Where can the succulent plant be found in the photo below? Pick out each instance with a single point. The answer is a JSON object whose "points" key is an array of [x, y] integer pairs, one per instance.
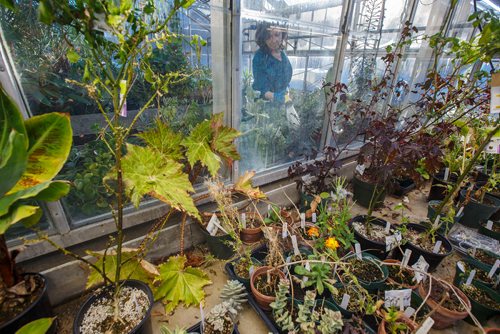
{"points": [[282, 317], [235, 293], [166, 330]]}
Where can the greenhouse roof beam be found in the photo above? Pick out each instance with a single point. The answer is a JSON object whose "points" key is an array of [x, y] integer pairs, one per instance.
{"points": [[307, 7]]}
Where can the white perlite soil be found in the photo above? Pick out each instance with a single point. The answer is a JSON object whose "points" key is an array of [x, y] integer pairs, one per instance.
{"points": [[133, 305]]}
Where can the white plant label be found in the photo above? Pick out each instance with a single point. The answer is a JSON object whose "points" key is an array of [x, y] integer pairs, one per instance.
{"points": [[387, 227], [360, 169], [212, 225], [426, 326], [406, 257], [397, 298], [202, 315], [420, 265], [269, 208], [357, 247], [460, 211], [244, 220], [473, 251], [437, 220], [392, 241], [123, 100], [284, 232], [494, 268], [446, 173], [302, 220], [294, 245], [288, 259], [437, 246], [307, 266], [489, 225], [251, 270], [345, 301], [471, 277], [314, 217], [409, 311], [461, 266]]}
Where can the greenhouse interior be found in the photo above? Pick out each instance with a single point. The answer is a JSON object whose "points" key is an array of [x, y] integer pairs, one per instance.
{"points": [[249, 166]]}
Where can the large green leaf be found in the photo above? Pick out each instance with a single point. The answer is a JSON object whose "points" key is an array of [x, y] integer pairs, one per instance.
{"points": [[10, 118], [18, 213], [178, 283], [223, 139], [50, 137], [47, 191], [164, 140], [39, 326], [13, 161], [147, 172], [198, 148], [131, 268]]}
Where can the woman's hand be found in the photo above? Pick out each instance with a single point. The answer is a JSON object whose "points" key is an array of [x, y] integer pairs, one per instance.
{"points": [[269, 96]]}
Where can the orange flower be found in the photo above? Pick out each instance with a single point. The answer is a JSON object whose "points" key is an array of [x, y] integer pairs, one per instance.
{"points": [[332, 243], [313, 232]]}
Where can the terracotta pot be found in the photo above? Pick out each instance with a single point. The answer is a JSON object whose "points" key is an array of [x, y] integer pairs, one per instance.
{"points": [[251, 235], [492, 330], [444, 317], [390, 280], [260, 298], [411, 325]]}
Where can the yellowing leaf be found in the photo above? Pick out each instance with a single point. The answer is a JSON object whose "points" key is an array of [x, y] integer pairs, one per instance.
{"points": [[244, 186], [198, 148], [178, 283], [147, 172], [223, 139], [39, 326], [164, 140], [18, 213]]}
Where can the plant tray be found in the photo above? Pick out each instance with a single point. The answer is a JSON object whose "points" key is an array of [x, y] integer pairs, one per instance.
{"points": [[197, 329]]}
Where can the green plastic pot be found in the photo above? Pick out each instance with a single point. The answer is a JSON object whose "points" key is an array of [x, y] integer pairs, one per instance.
{"points": [[490, 233], [372, 287], [480, 311], [363, 192], [480, 264], [475, 211], [459, 273]]}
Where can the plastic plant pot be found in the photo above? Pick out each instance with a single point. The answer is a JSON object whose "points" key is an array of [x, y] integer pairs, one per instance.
{"points": [[144, 327], [219, 246], [402, 187], [439, 186], [373, 247], [475, 211], [460, 274], [364, 191], [490, 233], [372, 286], [481, 311]]}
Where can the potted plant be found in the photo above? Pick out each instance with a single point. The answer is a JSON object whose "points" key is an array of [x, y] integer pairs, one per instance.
{"points": [[395, 322], [368, 271], [484, 300], [479, 205], [34, 152], [371, 232], [464, 267], [399, 275]]}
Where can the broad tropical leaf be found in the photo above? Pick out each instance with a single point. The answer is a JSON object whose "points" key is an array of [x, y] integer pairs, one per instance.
{"points": [[47, 191], [132, 268], [179, 283], [163, 140], [13, 161], [146, 172], [244, 186], [10, 118], [50, 137], [19, 213], [39, 326], [199, 149], [223, 139]]}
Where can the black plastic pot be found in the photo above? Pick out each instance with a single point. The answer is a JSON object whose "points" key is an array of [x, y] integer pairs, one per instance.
{"points": [[475, 211], [432, 258], [244, 281], [197, 329], [40, 308], [439, 186], [364, 191], [219, 246], [371, 246], [144, 327], [480, 311], [490, 233], [431, 214], [402, 187]]}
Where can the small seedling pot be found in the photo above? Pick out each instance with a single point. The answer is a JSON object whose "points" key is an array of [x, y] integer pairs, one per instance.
{"points": [[475, 211], [412, 326], [372, 286], [460, 274], [245, 281], [439, 186], [144, 327], [373, 247], [219, 246], [481, 311], [251, 235], [490, 233], [431, 214], [390, 280], [364, 191], [263, 300]]}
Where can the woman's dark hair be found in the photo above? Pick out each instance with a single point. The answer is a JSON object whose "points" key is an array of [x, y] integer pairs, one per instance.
{"points": [[263, 32]]}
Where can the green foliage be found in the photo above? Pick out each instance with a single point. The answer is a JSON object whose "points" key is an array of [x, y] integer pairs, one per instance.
{"points": [[165, 330], [319, 276], [280, 307], [235, 293], [178, 283], [40, 326]]}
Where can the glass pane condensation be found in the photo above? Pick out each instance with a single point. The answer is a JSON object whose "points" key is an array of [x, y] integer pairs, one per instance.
{"points": [[289, 127], [39, 54]]}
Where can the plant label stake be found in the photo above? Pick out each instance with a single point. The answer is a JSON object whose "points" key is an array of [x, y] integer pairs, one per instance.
{"points": [[473, 251], [397, 298], [446, 174], [420, 266], [494, 268], [302, 220], [345, 301], [244, 220], [288, 259], [461, 266], [471, 277], [409, 311], [426, 326], [284, 232], [392, 241], [123, 100], [436, 221], [212, 226], [202, 315], [314, 217], [387, 227], [459, 211], [360, 169], [489, 225], [437, 247], [357, 246], [251, 270], [294, 245], [406, 257], [307, 266]]}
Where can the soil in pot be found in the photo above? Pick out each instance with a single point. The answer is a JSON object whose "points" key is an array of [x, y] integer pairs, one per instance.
{"points": [[134, 305], [402, 276], [23, 303], [480, 296], [424, 242], [252, 232], [475, 211], [354, 305], [228, 327], [365, 271], [481, 275], [370, 233], [264, 284], [494, 232], [485, 257], [485, 302]]}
